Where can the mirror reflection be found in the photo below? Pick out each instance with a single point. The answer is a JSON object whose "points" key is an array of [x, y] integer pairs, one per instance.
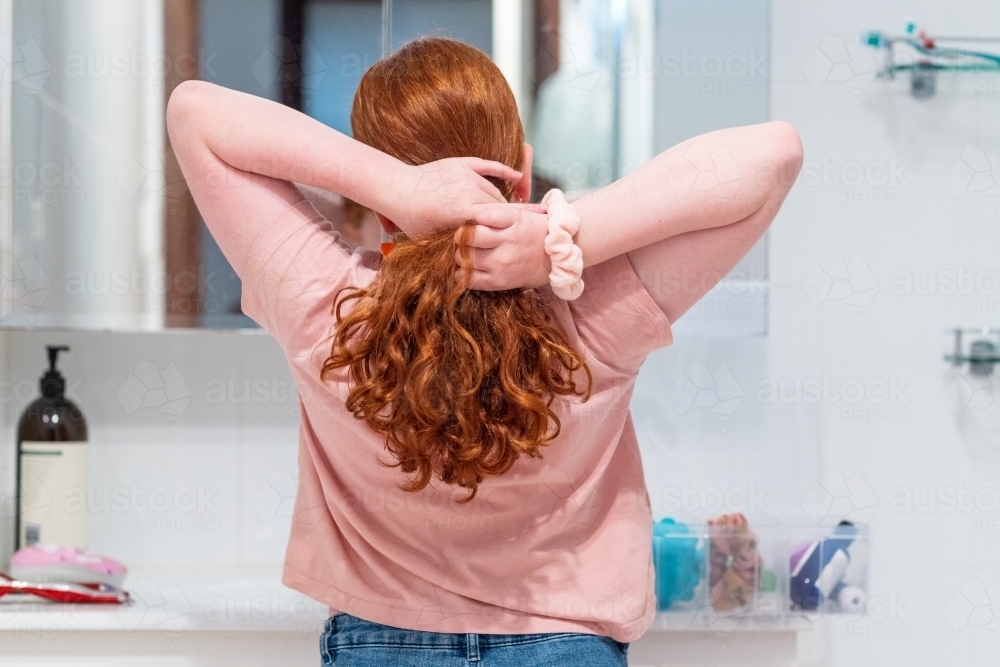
{"points": [[97, 228]]}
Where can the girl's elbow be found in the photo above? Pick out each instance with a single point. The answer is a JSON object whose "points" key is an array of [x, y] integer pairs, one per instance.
{"points": [[788, 147], [781, 156], [184, 108]]}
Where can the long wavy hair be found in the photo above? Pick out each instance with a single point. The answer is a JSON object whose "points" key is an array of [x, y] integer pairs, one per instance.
{"points": [[460, 382]]}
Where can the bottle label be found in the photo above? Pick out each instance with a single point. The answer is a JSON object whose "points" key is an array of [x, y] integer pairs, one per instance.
{"points": [[53, 483]]}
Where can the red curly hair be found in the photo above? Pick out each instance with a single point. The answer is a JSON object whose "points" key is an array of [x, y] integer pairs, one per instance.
{"points": [[460, 382]]}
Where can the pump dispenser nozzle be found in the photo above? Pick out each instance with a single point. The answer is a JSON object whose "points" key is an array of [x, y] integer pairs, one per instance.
{"points": [[54, 351], [53, 384]]}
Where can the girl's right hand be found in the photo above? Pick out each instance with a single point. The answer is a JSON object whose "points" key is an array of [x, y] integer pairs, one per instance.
{"points": [[508, 248]]}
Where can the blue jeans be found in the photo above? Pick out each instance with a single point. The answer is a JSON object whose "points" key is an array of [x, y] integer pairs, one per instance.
{"points": [[349, 641]]}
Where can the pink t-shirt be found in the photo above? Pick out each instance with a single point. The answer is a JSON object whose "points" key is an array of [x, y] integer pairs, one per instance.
{"points": [[560, 544]]}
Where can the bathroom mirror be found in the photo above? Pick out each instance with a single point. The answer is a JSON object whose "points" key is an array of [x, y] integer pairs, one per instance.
{"points": [[97, 228]]}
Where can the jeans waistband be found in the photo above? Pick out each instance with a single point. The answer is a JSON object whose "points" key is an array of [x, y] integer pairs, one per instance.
{"points": [[356, 630]]}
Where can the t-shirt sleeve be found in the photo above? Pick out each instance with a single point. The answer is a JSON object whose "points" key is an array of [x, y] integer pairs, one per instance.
{"points": [[293, 273], [616, 318]]}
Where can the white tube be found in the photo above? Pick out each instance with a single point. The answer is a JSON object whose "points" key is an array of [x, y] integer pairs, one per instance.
{"points": [[151, 213], [508, 46]]}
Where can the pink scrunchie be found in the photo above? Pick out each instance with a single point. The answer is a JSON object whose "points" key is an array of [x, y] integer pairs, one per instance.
{"points": [[566, 256]]}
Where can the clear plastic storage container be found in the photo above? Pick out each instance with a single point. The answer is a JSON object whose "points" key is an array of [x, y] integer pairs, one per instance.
{"points": [[732, 566]]}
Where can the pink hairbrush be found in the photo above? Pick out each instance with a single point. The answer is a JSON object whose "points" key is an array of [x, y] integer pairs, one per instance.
{"points": [[49, 563]]}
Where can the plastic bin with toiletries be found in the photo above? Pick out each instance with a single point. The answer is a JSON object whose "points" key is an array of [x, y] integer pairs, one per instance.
{"points": [[733, 566]]}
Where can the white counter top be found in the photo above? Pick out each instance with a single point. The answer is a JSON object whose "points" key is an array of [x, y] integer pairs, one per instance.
{"points": [[245, 616], [249, 599], [712, 622], [253, 600]]}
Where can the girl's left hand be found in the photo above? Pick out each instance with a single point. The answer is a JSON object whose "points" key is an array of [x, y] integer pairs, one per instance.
{"points": [[508, 248], [444, 193]]}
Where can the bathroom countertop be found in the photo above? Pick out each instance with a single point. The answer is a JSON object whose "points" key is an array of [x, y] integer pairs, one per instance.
{"points": [[178, 600], [254, 600], [248, 618], [711, 622]]}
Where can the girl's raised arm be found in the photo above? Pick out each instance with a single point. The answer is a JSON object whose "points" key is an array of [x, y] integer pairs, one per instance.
{"points": [[684, 218]]}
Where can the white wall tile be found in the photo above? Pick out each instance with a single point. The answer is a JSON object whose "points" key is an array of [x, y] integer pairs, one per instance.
{"points": [[919, 230], [185, 429]]}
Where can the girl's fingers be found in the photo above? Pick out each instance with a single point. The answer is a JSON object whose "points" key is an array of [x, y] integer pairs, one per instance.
{"points": [[491, 191], [481, 280], [497, 216], [479, 257], [482, 237], [458, 259], [491, 168], [533, 208], [500, 216]]}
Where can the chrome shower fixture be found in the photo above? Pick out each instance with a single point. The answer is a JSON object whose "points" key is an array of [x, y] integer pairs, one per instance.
{"points": [[927, 56], [982, 354]]}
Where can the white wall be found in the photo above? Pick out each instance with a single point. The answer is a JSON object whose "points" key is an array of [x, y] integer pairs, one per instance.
{"points": [[193, 441], [935, 567]]}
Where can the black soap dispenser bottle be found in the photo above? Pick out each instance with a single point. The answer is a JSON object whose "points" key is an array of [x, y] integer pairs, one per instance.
{"points": [[52, 466]]}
